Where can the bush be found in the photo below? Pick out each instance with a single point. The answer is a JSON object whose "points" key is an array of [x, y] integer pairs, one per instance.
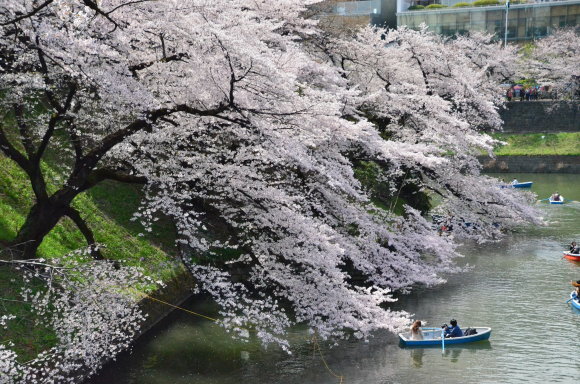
{"points": [[416, 7], [460, 5], [434, 6], [483, 3]]}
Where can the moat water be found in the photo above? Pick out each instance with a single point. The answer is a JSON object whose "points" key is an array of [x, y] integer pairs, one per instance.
{"points": [[518, 287]]}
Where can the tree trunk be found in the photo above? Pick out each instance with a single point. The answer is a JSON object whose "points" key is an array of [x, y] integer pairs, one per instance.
{"points": [[41, 219]]}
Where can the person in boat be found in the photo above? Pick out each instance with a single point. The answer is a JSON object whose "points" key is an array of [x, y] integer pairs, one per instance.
{"points": [[453, 330], [576, 284], [574, 248], [556, 197], [515, 181], [416, 332]]}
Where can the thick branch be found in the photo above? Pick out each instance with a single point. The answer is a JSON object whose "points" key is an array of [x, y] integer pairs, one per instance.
{"points": [[92, 158], [25, 136], [126, 4], [93, 5], [12, 152], [138, 67], [99, 175], [52, 125], [75, 141], [85, 230]]}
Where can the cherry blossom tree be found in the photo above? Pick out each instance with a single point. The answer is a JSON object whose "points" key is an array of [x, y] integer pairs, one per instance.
{"points": [[244, 123], [556, 59]]}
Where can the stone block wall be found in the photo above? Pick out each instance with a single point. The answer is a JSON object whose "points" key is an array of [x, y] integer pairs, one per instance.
{"points": [[541, 116], [531, 164]]}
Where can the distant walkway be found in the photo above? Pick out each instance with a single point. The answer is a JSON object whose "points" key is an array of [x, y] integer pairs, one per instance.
{"points": [[541, 116], [531, 164]]}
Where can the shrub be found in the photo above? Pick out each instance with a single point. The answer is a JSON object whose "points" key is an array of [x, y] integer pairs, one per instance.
{"points": [[460, 5], [416, 7], [434, 6], [483, 3]]}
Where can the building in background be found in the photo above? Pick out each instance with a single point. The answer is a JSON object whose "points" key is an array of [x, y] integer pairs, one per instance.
{"points": [[357, 13], [527, 19]]}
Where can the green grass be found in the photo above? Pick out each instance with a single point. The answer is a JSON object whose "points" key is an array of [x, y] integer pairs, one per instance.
{"points": [[107, 209], [27, 332], [539, 144]]}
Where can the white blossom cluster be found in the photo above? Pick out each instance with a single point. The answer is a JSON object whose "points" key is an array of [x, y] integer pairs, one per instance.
{"points": [[555, 61], [91, 307]]}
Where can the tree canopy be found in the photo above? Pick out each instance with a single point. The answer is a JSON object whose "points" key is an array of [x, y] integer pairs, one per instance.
{"points": [[245, 123]]}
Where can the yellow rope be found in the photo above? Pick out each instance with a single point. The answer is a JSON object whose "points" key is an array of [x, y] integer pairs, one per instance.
{"points": [[180, 308], [316, 345]]}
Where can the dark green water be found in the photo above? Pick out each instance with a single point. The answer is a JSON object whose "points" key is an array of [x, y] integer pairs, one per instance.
{"points": [[517, 286]]}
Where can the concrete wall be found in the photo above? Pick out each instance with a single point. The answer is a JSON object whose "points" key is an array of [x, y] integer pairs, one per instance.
{"points": [[531, 164], [541, 116]]}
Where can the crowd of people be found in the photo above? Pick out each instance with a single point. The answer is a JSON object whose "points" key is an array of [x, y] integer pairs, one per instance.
{"points": [[522, 94]]}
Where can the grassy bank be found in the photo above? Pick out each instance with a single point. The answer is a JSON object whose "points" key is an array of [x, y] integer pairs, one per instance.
{"points": [[539, 144], [107, 209]]}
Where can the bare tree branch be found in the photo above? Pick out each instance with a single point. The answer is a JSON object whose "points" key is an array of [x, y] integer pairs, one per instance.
{"points": [[29, 14]]}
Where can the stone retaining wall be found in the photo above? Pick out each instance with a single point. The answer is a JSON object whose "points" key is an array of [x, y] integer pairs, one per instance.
{"points": [[531, 164], [541, 116], [175, 292]]}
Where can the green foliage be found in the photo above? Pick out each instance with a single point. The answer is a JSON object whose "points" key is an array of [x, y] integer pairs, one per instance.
{"points": [[539, 144], [435, 6], [485, 3], [107, 209], [416, 7], [527, 49], [370, 175], [527, 83], [460, 5]]}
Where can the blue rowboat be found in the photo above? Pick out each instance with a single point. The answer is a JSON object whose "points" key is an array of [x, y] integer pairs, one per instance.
{"points": [[574, 301], [432, 338], [527, 184], [561, 201]]}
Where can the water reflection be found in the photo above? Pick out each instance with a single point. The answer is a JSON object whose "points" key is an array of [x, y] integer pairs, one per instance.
{"points": [[417, 356]]}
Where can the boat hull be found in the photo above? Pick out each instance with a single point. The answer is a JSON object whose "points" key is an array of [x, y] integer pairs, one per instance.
{"points": [[572, 256], [527, 184], [483, 333], [575, 303], [557, 201]]}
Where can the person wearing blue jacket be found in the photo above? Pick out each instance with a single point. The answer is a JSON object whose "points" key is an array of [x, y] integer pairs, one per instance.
{"points": [[454, 330]]}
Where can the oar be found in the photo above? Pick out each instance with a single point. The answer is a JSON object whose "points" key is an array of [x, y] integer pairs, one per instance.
{"points": [[569, 300], [442, 340]]}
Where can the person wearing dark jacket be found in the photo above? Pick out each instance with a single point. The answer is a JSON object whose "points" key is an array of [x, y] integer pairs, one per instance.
{"points": [[454, 330]]}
